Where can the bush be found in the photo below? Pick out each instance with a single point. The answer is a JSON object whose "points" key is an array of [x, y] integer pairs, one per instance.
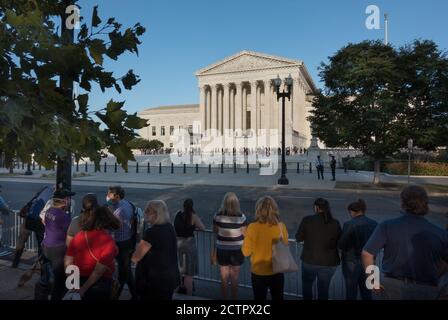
{"points": [[417, 168]]}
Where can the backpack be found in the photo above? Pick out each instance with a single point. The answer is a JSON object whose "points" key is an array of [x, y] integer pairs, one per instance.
{"points": [[25, 211]]}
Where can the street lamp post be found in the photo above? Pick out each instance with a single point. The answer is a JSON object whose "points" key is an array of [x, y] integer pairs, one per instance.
{"points": [[285, 94]]}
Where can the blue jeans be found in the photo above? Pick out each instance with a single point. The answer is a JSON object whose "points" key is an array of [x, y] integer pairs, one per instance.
{"points": [[355, 277], [323, 275]]}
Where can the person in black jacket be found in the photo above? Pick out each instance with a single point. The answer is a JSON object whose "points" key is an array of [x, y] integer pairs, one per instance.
{"points": [[320, 258], [157, 271], [333, 167], [355, 234]]}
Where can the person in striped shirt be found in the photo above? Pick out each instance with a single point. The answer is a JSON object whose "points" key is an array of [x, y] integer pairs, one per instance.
{"points": [[230, 225]]}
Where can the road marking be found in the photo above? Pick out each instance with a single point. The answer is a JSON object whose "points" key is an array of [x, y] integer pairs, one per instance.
{"points": [[295, 197]]}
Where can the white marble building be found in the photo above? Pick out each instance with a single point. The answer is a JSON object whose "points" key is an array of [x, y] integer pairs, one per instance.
{"points": [[237, 94]]}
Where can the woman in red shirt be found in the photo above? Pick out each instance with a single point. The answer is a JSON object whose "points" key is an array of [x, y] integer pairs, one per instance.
{"points": [[93, 251]]}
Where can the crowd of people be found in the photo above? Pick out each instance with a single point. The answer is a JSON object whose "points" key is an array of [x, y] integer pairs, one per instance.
{"points": [[105, 237]]}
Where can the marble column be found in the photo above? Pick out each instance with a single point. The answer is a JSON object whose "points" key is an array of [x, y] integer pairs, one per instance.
{"points": [[226, 107], [253, 106], [238, 106], [209, 107], [214, 107], [202, 108], [232, 108], [267, 104], [244, 109], [296, 106], [288, 111], [259, 108], [220, 107]]}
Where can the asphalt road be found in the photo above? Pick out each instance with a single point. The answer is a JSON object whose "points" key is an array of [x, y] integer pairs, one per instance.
{"points": [[293, 204]]}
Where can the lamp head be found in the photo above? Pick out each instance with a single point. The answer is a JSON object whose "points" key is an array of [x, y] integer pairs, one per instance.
{"points": [[277, 82], [289, 81]]}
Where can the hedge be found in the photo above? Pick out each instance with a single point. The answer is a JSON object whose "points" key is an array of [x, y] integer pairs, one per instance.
{"points": [[417, 168]]}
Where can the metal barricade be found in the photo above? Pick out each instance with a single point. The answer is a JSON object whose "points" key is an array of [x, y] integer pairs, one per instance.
{"points": [[11, 231], [293, 281]]}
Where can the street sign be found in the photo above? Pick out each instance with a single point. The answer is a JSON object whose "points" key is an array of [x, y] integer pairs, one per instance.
{"points": [[410, 144]]}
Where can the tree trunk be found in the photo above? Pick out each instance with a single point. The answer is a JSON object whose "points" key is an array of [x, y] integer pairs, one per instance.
{"points": [[376, 173], [11, 169]]}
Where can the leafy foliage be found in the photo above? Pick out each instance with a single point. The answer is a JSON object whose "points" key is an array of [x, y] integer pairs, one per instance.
{"points": [[377, 97], [37, 113]]}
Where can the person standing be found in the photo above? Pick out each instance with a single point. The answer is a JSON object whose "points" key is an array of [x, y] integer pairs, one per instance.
{"points": [[320, 234], [414, 250], [355, 234], [346, 162], [230, 225], [32, 223], [185, 224], [333, 167], [89, 205], [157, 272], [56, 222], [320, 168], [260, 236], [124, 211], [93, 251]]}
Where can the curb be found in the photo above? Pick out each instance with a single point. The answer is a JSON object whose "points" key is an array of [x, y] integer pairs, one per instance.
{"points": [[273, 187]]}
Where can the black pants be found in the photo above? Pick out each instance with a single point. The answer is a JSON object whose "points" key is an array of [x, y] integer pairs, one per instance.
{"points": [[55, 257], [38, 228], [320, 172], [274, 283], [333, 173], [125, 276], [101, 290], [355, 277]]}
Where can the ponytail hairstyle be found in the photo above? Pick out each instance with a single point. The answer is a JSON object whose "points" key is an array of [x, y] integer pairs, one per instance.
{"points": [[89, 205], [323, 207], [358, 206], [188, 211]]}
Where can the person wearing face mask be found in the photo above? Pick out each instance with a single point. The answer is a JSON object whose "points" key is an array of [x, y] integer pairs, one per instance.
{"points": [[56, 222], [355, 234], [124, 211]]}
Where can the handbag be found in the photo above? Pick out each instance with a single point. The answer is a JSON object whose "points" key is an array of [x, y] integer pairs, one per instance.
{"points": [[282, 259], [115, 288]]}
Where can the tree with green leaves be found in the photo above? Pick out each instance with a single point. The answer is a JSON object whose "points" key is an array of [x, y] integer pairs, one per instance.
{"points": [[145, 145], [376, 98], [38, 66], [425, 87]]}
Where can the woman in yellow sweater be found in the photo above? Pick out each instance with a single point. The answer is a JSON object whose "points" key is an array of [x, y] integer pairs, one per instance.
{"points": [[258, 241]]}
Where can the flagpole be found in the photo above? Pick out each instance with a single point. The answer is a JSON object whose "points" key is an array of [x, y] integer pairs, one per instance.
{"points": [[386, 29]]}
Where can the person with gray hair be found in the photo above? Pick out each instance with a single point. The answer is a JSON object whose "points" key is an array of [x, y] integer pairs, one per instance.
{"points": [[157, 272]]}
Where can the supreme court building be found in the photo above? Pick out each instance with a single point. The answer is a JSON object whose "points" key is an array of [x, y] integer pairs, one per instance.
{"points": [[237, 94]]}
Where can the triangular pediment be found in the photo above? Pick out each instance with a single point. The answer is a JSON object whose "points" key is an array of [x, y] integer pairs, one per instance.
{"points": [[247, 61]]}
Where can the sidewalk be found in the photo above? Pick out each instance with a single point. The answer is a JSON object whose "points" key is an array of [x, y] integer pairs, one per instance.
{"points": [[166, 179], [9, 278]]}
